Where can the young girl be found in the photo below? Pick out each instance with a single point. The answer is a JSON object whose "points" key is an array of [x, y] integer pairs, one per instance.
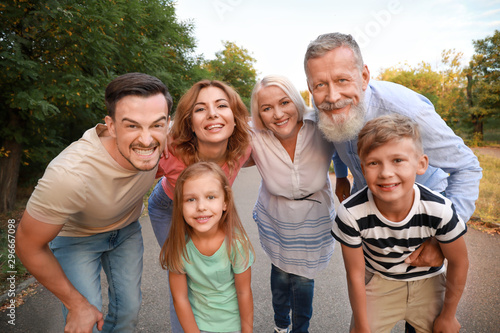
{"points": [[208, 254]]}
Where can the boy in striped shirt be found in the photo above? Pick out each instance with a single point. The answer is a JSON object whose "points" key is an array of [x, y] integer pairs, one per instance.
{"points": [[382, 224]]}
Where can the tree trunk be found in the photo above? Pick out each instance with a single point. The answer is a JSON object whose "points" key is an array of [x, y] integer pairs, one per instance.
{"points": [[477, 120], [9, 174]]}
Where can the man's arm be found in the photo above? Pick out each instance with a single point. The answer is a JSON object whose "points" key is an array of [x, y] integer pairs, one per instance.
{"points": [[242, 283], [342, 185], [354, 262], [179, 290], [456, 276], [427, 255], [32, 247]]}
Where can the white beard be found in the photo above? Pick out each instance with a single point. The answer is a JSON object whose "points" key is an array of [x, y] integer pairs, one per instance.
{"points": [[341, 127]]}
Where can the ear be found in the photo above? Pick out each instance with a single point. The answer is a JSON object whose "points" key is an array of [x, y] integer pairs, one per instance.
{"points": [[362, 168], [111, 126], [423, 163], [225, 207], [365, 75]]}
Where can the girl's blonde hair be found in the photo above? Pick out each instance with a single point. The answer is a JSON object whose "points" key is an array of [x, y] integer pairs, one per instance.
{"points": [[184, 141], [174, 250]]}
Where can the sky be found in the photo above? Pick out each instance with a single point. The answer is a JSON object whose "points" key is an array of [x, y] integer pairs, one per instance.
{"points": [[390, 32]]}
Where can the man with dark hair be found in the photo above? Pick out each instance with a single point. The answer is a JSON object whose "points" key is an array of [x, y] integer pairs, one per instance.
{"points": [[83, 214]]}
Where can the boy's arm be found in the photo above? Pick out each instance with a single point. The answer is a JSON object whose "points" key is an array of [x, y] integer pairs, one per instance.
{"points": [[456, 276], [354, 262], [179, 290], [242, 283], [32, 239]]}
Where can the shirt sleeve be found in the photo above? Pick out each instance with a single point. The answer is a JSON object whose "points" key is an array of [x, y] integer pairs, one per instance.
{"points": [[240, 262], [345, 228], [448, 152], [58, 194], [339, 166]]}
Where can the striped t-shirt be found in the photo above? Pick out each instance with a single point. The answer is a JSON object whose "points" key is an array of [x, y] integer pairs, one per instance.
{"points": [[386, 244]]}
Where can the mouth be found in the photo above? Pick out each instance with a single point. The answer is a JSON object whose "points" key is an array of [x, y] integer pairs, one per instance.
{"points": [[202, 219], [388, 186], [145, 152], [214, 127], [281, 123]]}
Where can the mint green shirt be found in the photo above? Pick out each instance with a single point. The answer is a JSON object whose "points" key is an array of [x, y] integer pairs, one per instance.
{"points": [[211, 288]]}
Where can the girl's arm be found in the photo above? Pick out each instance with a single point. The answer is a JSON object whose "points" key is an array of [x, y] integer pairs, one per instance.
{"points": [[456, 276], [242, 283], [179, 289], [354, 262]]}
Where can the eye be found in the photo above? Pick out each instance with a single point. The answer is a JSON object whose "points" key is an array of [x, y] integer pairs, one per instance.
{"points": [[221, 106], [266, 109], [372, 163], [211, 197], [342, 80], [199, 109], [190, 200], [398, 160], [320, 85], [285, 102]]}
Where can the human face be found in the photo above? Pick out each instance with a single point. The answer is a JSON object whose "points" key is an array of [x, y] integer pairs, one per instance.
{"points": [[139, 129], [212, 118], [277, 112], [203, 203], [338, 86], [390, 171]]}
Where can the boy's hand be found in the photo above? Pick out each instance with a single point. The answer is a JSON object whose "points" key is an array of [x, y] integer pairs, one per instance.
{"points": [[427, 255], [446, 325]]}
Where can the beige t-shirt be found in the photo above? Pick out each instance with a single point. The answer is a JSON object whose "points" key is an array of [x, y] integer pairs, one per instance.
{"points": [[87, 191]]}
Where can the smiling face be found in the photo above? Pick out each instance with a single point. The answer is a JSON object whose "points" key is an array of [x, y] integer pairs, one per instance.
{"points": [[203, 203], [139, 129], [390, 171], [212, 118], [338, 84], [277, 112]]}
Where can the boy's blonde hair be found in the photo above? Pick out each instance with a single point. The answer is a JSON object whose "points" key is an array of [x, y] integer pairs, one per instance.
{"points": [[381, 130], [174, 249]]}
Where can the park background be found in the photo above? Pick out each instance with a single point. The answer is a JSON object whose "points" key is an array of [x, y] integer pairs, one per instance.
{"points": [[56, 57]]}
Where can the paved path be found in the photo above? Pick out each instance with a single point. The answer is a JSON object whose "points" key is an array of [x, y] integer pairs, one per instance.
{"points": [[477, 311]]}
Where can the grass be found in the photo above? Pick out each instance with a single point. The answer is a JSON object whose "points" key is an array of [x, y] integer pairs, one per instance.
{"points": [[487, 213]]}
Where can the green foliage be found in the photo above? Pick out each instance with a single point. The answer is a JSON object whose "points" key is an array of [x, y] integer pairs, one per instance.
{"points": [[57, 56], [484, 81], [444, 86], [234, 65]]}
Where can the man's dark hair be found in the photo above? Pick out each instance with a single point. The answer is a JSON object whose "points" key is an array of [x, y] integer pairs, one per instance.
{"points": [[136, 84]]}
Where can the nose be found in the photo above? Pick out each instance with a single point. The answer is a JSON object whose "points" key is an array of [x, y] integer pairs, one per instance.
{"points": [[386, 171], [212, 112], [146, 138], [333, 94], [200, 205], [278, 113]]}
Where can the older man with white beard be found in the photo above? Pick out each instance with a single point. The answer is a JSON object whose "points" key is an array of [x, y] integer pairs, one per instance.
{"points": [[346, 99]]}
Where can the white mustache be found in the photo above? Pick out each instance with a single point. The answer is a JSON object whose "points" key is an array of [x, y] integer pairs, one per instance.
{"points": [[327, 106]]}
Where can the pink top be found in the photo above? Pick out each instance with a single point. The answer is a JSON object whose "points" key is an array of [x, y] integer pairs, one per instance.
{"points": [[171, 167]]}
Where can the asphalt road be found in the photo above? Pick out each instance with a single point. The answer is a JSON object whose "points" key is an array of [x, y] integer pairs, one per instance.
{"points": [[477, 312]]}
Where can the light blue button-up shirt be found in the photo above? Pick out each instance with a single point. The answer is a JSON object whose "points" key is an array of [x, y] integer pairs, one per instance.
{"points": [[453, 167]]}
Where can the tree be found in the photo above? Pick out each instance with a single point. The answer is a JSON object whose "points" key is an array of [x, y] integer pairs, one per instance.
{"points": [[483, 74], [57, 56], [234, 65], [443, 86]]}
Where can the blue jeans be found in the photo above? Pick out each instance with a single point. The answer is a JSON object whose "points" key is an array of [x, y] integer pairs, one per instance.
{"points": [[119, 253], [160, 208], [291, 292]]}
